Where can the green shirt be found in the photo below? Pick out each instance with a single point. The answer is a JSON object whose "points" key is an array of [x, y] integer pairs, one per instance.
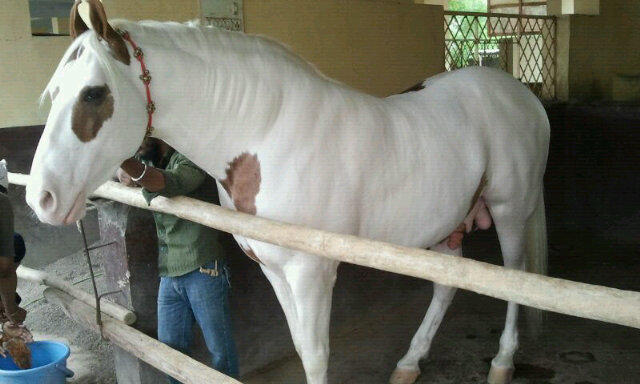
{"points": [[184, 245]]}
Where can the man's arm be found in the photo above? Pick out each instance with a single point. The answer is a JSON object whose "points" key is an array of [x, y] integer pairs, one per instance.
{"points": [[184, 178]]}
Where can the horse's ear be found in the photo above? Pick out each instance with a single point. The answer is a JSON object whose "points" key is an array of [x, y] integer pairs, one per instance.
{"points": [[101, 26], [76, 24]]}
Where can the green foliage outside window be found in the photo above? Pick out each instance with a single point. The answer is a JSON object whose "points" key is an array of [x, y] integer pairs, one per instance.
{"points": [[468, 5], [467, 34]]}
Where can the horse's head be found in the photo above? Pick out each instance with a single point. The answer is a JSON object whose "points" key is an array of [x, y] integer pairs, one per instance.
{"points": [[97, 119]]}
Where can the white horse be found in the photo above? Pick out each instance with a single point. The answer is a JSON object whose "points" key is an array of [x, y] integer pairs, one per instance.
{"points": [[286, 143]]}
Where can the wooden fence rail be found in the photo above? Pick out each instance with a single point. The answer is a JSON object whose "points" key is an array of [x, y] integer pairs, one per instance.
{"points": [[159, 355], [551, 294], [110, 308]]}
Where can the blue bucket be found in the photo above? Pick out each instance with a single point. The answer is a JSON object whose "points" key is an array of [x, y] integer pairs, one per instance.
{"points": [[49, 365]]}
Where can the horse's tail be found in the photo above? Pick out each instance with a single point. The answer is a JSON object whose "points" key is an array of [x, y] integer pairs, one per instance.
{"points": [[536, 255]]}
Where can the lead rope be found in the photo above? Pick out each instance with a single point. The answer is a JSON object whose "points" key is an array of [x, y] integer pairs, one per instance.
{"points": [[97, 296], [93, 276]]}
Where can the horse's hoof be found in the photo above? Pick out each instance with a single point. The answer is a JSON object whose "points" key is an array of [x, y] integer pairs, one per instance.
{"points": [[500, 375], [404, 376]]}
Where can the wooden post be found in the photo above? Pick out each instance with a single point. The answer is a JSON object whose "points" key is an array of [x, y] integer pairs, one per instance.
{"points": [[130, 266], [153, 352]]}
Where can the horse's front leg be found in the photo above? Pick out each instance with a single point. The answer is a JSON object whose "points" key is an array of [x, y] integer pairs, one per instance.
{"points": [[304, 287]]}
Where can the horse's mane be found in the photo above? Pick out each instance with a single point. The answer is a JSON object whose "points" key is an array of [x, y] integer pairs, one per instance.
{"points": [[205, 43]]}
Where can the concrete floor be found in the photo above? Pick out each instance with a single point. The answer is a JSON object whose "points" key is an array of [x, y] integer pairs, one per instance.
{"points": [[593, 204]]}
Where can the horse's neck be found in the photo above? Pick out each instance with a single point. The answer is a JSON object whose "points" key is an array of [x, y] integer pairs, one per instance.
{"points": [[214, 111]]}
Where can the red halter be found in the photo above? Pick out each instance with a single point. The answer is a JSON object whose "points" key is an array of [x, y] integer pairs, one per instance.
{"points": [[145, 77]]}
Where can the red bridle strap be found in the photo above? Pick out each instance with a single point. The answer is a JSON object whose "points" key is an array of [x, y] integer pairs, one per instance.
{"points": [[145, 77]]}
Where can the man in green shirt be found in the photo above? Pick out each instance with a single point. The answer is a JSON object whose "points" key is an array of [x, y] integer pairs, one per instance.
{"points": [[194, 281]]}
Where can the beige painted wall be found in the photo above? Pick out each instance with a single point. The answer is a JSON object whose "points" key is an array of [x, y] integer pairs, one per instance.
{"points": [[604, 48], [163, 10], [27, 62], [380, 47]]}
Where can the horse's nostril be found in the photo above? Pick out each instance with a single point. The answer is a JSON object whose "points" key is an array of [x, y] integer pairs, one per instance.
{"points": [[47, 202]]}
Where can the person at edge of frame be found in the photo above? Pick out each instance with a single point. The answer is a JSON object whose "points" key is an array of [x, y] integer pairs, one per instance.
{"points": [[12, 251], [194, 282]]}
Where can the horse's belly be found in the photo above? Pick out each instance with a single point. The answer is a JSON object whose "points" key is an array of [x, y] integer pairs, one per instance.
{"points": [[412, 222]]}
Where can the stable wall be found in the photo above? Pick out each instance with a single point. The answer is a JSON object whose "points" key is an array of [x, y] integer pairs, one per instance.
{"points": [[597, 50], [604, 55], [380, 47], [26, 63]]}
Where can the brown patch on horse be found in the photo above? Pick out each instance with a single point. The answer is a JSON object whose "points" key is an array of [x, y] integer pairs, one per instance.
{"points": [[249, 252], [93, 107], [74, 55], [415, 88], [243, 182]]}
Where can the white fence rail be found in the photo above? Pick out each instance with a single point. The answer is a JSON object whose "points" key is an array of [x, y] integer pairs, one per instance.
{"points": [[563, 296]]}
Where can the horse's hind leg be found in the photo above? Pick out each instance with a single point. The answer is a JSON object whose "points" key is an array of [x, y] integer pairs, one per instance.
{"points": [[510, 225], [407, 370], [304, 287]]}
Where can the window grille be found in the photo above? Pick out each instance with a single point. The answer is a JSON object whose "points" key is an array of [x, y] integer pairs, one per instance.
{"points": [[523, 45]]}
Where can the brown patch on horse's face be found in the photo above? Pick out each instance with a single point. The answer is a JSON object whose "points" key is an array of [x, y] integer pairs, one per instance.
{"points": [[249, 252], [93, 107], [75, 54], [243, 182]]}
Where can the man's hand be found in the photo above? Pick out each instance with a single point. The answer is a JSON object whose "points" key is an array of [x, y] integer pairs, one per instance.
{"points": [[16, 317], [125, 178], [152, 180]]}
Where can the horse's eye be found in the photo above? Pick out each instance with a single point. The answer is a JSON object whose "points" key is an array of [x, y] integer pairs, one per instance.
{"points": [[94, 94]]}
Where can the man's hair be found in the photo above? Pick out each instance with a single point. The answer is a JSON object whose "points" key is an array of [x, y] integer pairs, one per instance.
{"points": [[150, 151]]}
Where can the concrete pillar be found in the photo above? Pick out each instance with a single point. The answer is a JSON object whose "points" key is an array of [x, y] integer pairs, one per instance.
{"points": [[573, 7], [130, 265]]}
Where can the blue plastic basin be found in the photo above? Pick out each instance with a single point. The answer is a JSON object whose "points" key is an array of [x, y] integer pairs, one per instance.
{"points": [[49, 365]]}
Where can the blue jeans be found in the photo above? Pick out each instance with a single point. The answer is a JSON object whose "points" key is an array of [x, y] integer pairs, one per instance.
{"points": [[205, 299]]}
